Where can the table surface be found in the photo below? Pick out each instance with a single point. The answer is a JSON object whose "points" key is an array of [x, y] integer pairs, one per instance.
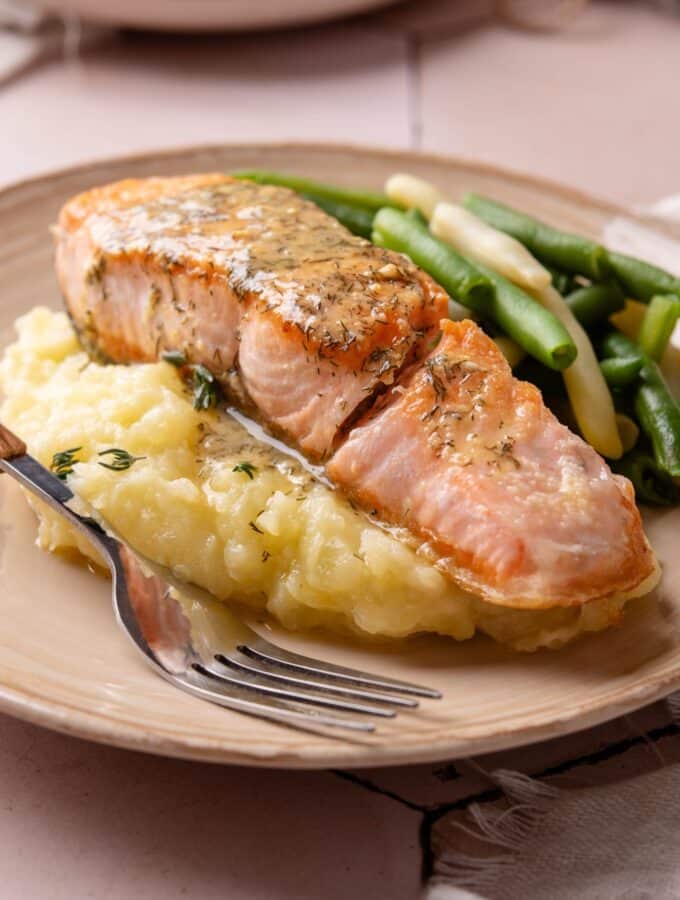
{"points": [[595, 107]]}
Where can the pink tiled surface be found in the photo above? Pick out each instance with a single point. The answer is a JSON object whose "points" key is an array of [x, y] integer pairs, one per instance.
{"points": [[589, 106], [79, 820], [596, 107]]}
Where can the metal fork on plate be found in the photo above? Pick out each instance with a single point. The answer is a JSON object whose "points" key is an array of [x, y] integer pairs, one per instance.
{"points": [[241, 671]]}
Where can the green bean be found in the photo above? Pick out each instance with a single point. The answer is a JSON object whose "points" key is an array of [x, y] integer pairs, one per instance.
{"points": [[642, 280], [658, 324], [563, 282], [529, 324], [564, 251], [659, 418], [620, 371], [371, 200], [652, 484], [520, 316], [655, 407], [592, 305], [356, 219]]}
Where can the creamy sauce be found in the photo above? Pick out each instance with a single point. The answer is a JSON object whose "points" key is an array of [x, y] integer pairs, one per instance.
{"points": [[233, 436], [286, 458]]}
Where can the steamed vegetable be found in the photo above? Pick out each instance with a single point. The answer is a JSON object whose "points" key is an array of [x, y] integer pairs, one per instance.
{"points": [[371, 200], [594, 304], [409, 191], [620, 371], [641, 279], [658, 324], [657, 411], [629, 319], [589, 394], [568, 252], [467, 232], [534, 328], [473, 237], [356, 219]]}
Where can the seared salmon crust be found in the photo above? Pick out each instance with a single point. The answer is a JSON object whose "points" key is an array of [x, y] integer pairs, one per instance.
{"points": [[335, 344]]}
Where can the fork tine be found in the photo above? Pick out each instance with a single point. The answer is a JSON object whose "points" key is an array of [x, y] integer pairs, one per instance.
{"points": [[253, 683], [262, 650], [322, 683], [267, 708]]}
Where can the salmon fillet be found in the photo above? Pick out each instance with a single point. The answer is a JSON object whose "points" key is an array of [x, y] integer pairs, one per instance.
{"points": [[331, 342], [517, 508], [299, 320]]}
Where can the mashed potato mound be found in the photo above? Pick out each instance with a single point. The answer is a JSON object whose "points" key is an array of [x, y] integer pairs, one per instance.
{"points": [[279, 541]]}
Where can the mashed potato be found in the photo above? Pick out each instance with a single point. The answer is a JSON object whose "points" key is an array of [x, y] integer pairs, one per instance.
{"points": [[278, 540]]}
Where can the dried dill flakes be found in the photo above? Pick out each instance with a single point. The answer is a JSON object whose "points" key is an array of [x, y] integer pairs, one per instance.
{"points": [[121, 459], [255, 528], [265, 555], [434, 378], [63, 462], [247, 468], [206, 392], [175, 358], [95, 271]]}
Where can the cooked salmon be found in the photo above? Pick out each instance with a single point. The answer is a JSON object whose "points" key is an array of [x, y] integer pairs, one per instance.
{"points": [[335, 343], [299, 320], [518, 508]]}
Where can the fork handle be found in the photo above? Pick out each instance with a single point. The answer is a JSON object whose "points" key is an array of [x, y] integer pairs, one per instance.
{"points": [[15, 461], [10, 444]]}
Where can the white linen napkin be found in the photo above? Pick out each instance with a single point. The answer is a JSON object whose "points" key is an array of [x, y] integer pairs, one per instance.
{"points": [[618, 841]]}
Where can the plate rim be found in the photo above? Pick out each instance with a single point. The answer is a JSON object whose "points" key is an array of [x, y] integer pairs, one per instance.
{"points": [[96, 726], [165, 152]]}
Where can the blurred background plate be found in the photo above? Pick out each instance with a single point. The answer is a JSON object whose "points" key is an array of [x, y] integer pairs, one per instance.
{"points": [[210, 15]]}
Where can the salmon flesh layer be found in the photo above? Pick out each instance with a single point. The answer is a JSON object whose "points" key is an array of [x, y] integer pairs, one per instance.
{"points": [[335, 344]]}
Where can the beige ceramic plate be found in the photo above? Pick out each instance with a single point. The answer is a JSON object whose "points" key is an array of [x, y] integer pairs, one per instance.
{"points": [[64, 664]]}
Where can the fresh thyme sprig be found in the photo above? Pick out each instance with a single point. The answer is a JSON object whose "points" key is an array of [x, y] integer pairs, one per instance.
{"points": [[121, 459], [247, 468], [205, 388], [63, 462]]}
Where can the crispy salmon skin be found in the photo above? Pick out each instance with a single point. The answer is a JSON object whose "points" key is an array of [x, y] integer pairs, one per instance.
{"points": [[335, 343]]}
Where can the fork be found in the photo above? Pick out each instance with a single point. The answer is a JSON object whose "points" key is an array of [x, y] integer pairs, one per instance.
{"points": [[240, 670]]}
